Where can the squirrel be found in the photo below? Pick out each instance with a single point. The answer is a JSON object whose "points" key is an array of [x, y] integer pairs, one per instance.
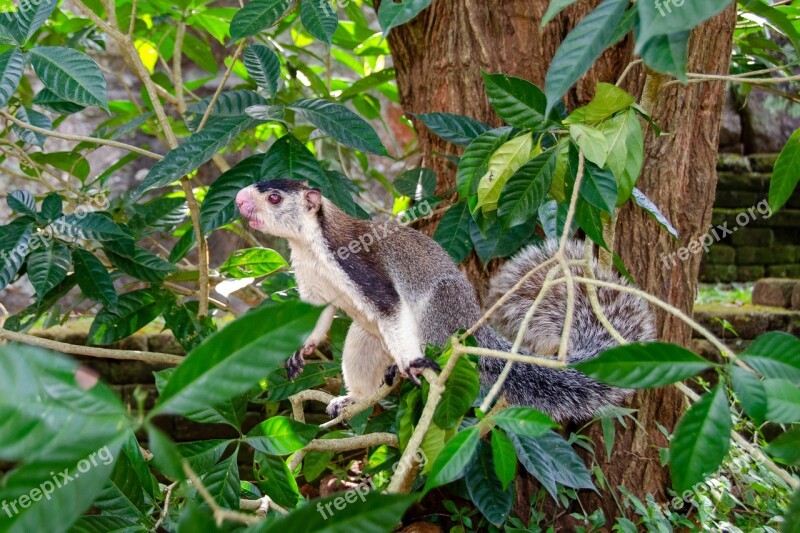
{"points": [[403, 291]]}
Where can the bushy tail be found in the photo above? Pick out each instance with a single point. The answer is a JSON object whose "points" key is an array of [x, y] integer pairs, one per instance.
{"points": [[565, 395]]}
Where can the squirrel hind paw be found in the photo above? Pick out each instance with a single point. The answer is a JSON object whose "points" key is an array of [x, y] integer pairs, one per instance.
{"points": [[336, 405], [417, 366], [390, 375], [294, 366]]}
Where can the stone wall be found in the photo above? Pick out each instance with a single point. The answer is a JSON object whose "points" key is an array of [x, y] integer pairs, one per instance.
{"points": [[763, 247]]}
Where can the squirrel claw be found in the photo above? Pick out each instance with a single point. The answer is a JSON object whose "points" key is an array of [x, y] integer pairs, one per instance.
{"points": [[417, 366], [336, 405], [295, 364], [391, 375]]}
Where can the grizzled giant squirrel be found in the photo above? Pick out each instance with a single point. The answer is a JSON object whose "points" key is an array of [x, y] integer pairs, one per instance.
{"points": [[404, 291]]}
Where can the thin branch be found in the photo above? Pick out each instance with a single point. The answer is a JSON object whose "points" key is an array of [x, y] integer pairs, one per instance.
{"points": [[221, 86], [167, 498], [80, 138], [155, 358]]}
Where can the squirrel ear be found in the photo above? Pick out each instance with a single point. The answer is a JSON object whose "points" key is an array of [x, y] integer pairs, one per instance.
{"points": [[313, 199]]}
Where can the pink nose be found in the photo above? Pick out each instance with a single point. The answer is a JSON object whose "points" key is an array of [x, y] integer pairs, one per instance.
{"points": [[242, 197]]}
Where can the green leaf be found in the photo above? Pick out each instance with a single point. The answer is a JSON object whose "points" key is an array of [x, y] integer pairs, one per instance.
{"points": [[640, 199], [14, 239], [123, 494], [456, 129], [524, 421], [189, 328], [783, 401], [518, 102], [392, 14], [582, 46], [485, 490], [195, 151], [475, 161], [52, 207], [141, 263], [526, 189], [667, 54], [319, 19], [418, 184], [222, 482], [70, 74], [592, 143], [53, 422], [104, 524], [134, 310], [280, 435], [642, 365], [551, 460], [228, 104], [23, 202], [775, 18], [52, 102], [608, 99], [30, 17], [258, 15], [505, 458], [253, 263], [502, 164], [701, 440], [219, 205], [288, 158], [452, 233], [786, 448], [48, 267], [495, 241], [784, 175], [461, 389], [625, 151], [554, 8], [775, 355], [12, 63], [599, 188], [370, 513], [230, 411], [665, 17], [204, 454], [92, 226], [166, 456], [233, 360], [553, 217], [93, 278], [454, 457], [378, 79], [340, 123], [263, 66], [275, 479], [751, 393], [590, 220]]}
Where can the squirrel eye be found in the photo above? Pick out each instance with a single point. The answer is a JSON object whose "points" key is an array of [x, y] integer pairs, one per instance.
{"points": [[274, 198]]}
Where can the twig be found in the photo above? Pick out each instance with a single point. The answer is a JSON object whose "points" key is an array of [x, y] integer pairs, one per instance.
{"points": [[80, 138], [627, 71], [165, 511], [406, 465], [155, 358], [351, 410], [221, 86]]}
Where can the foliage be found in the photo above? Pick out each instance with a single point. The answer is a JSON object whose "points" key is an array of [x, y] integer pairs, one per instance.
{"points": [[304, 104]]}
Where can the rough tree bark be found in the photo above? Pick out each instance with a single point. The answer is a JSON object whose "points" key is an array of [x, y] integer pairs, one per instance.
{"points": [[439, 57]]}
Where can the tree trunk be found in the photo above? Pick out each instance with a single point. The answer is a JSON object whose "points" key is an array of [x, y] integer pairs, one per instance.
{"points": [[439, 57]]}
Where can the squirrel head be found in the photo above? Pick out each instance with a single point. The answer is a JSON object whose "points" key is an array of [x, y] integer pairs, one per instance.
{"points": [[283, 208]]}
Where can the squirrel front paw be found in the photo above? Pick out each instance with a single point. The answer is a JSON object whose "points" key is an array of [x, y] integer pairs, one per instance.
{"points": [[411, 372], [336, 405]]}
